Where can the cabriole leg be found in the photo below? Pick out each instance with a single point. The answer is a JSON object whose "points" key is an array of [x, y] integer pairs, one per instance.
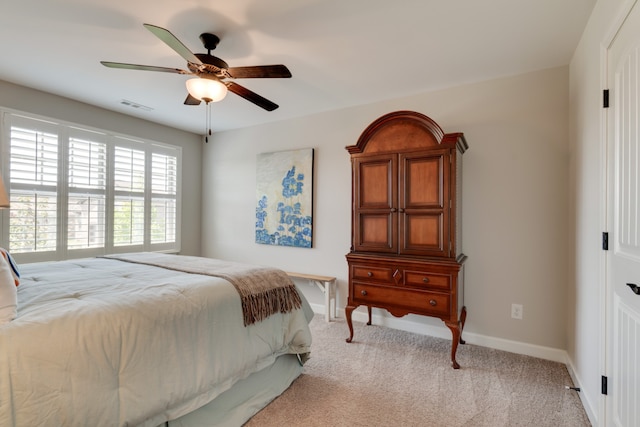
{"points": [[347, 311], [455, 339], [463, 318]]}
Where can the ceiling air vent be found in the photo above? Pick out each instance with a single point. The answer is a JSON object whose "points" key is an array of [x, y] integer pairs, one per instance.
{"points": [[135, 105]]}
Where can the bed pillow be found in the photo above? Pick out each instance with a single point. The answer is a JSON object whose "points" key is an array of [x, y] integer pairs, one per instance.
{"points": [[13, 264], [9, 279]]}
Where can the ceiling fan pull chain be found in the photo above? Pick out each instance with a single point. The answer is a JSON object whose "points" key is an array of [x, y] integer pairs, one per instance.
{"points": [[208, 122]]}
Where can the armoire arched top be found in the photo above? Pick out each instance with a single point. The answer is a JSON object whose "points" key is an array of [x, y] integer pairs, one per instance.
{"points": [[405, 130]]}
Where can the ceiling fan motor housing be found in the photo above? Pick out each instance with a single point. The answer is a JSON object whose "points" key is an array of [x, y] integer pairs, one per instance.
{"points": [[212, 60], [210, 41]]}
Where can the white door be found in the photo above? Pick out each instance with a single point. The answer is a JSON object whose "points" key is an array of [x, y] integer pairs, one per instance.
{"points": [[623, 218]]}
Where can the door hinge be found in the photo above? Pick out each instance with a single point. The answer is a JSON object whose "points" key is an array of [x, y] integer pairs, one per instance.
{"points": [[605, 241], [603, 384], [605, 98]]}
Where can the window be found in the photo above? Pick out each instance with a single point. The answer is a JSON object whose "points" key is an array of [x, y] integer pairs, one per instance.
{"points": [[34, 176], [81, 192], [129, 186], [164, 184], [86, 212]]}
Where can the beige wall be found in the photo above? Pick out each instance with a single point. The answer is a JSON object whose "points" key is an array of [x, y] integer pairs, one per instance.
{"points": [[32, 101], [515, 198]]}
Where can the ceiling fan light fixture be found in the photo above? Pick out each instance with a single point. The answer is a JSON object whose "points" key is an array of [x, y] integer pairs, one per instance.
{"points": [[207, 90]]}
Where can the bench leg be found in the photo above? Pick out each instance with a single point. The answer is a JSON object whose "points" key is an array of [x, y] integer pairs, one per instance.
{"points": [[326, 288], [327, 301]]}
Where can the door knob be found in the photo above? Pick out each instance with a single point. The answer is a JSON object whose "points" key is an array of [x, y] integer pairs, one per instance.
{"points": [[635, 288]]}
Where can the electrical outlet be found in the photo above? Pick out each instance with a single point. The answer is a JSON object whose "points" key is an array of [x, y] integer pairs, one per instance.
{"points": [[516, 311]]}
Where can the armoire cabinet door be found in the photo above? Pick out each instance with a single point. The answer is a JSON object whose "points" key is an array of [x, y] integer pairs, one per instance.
{"points": [[424, 203], [375, 195]]}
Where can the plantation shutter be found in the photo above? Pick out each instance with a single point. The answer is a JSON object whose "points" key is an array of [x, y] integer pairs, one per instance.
{"points": [[164, 178], [129, 184], [87, 181], [34, 180]]}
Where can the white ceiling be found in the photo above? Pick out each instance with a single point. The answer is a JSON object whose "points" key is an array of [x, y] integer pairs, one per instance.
{"points": [[341, 52]]}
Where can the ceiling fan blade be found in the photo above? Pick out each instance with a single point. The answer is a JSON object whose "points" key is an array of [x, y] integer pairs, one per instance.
{"points": [[173, 42], [191, 100], [251, 96], [143, 67], [260, 71]]}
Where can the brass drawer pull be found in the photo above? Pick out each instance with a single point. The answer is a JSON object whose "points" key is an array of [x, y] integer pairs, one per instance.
{"points": [[364, 293], [433, 302], [370, 274], [425, 279]]}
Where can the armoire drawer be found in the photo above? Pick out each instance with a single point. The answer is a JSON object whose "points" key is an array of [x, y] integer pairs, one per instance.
{"points": [[421, 302], [371, 274], [424, 279]]}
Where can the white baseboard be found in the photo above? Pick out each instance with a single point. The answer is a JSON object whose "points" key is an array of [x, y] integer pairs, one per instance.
{"points": [[584, 397], [547, 353]]}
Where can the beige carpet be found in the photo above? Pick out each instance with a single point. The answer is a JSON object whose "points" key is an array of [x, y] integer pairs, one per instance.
{"points": [[394, 378]]}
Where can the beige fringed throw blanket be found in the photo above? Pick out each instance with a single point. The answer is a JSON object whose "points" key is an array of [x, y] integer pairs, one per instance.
{"points": [[263, 291]]}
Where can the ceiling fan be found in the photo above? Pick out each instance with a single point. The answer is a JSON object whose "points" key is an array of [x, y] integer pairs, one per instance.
{"points": [[211, 73]]}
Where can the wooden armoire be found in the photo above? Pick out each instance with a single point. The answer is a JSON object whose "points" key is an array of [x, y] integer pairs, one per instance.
{"points": [[406, 254]]}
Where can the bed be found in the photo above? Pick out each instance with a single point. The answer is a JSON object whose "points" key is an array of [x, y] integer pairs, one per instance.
{"points": [[148, 339]]}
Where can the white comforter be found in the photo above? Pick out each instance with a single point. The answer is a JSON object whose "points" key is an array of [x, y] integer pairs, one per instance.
{"points": [[101, 342]]}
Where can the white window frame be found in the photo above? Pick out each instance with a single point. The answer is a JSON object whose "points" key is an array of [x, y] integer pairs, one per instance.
{"points": [[64, 130]]}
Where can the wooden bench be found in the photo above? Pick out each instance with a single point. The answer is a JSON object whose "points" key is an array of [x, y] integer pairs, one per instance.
{"points": [[327, 285]]}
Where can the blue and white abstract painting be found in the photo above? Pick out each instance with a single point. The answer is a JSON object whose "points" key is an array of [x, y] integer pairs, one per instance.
{"points": [[284, 191]]}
